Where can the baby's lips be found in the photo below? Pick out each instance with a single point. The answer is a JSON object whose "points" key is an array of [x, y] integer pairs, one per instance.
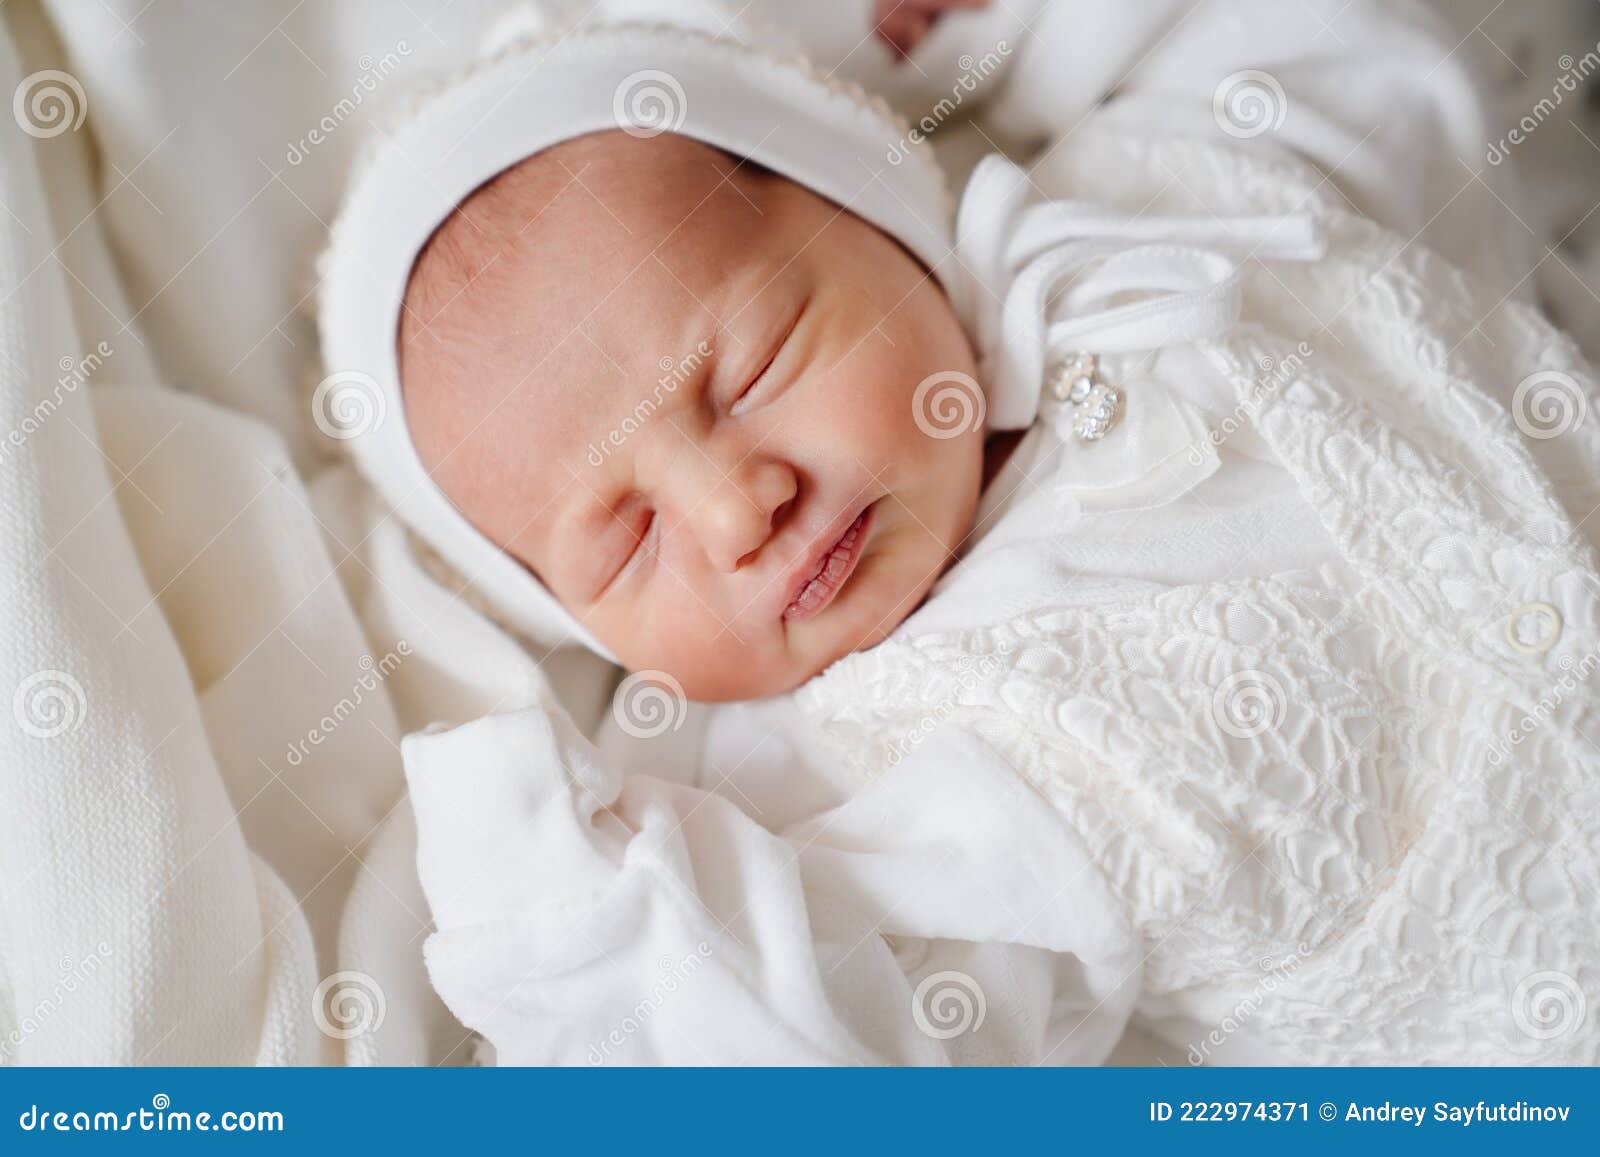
{"points": [[833, 571]]}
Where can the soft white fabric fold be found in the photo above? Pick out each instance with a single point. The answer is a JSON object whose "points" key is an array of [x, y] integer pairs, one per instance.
{"points": [[1050, 278], [1043, 274], [585, 916]]}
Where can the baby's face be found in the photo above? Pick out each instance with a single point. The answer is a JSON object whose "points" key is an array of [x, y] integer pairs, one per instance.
{"points": [[680, 391]]}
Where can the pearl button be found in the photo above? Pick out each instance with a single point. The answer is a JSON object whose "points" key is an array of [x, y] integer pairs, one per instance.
{"points": [[1533, 628]]}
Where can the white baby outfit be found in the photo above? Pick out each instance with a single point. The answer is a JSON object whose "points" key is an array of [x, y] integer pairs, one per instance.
{"points": [[1265, 716]]}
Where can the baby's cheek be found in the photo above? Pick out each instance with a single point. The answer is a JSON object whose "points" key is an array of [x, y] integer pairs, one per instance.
{"points": [[876, 398], [679, 635], [663, 633], [933, 361]]}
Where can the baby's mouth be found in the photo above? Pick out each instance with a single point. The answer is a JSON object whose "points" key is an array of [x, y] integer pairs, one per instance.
{"points": [[826, 577]]}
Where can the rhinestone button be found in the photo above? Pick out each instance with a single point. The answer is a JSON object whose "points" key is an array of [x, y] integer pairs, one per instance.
{"points": [[1097, 407], [1533, 628], [1099, 414]]}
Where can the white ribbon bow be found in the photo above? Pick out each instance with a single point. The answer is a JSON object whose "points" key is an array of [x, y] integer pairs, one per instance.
{"points": [[1041, 279]]}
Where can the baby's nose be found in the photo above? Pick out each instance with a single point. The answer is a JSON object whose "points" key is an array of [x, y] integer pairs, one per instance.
{"points": [[742, 511]]}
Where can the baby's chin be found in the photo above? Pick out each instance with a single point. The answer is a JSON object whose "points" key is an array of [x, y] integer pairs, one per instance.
{"points": [[748, 673]]}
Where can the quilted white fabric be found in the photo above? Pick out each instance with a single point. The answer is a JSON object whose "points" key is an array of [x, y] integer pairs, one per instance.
{"points": [[1381, 770]]}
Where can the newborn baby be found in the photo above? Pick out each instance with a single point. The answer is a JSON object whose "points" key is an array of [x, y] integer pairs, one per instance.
{"points": [[777, 505], [692, 364]]}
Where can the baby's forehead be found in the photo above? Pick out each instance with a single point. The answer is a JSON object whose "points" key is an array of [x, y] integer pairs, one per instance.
{"points": [[573, 226]]}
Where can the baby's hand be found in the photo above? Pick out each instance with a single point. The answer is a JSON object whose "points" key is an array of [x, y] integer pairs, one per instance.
{"points": [[903, 23]]}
